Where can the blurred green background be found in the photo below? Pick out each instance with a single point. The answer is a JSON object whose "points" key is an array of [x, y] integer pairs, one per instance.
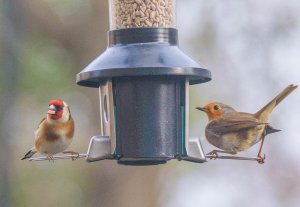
{"points": [[252, 48]]}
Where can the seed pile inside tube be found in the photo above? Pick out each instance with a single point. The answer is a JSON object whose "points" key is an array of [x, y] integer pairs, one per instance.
{"points": [[142, 13]]}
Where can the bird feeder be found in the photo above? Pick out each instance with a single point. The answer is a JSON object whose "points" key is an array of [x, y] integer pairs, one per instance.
{"points": [[143, 80]]}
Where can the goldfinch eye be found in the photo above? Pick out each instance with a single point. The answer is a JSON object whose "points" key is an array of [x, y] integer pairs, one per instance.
{"points": [[216, 107], [58, 108]]}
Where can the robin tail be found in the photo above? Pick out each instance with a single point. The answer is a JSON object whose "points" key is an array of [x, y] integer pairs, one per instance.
{"points": [[270, 130], [29, 154], [263, 114]]}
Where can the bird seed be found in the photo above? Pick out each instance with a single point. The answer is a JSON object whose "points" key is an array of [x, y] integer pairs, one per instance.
{"points": [[142, 13]]}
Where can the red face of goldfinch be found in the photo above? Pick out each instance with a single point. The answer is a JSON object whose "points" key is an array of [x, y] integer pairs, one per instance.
{"points": [[55, 109]]}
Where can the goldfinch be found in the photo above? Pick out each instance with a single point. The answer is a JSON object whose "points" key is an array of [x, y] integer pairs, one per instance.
{"points": [[55, 132]]}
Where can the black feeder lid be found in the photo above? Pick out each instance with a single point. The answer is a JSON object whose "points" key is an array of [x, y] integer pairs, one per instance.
{"points": [[142, 52]]}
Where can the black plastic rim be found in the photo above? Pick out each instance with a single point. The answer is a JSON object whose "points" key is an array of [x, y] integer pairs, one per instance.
{"points": [[143, 35], [142, 52]]}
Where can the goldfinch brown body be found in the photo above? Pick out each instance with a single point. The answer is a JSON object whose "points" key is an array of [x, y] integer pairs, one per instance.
{"points": [[55, 132]]}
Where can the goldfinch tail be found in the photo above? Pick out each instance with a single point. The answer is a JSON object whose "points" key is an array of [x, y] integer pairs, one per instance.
{"points": [[29, 154]]}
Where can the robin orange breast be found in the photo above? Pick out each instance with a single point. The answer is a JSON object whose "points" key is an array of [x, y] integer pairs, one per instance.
{"points": [[233, 131]]}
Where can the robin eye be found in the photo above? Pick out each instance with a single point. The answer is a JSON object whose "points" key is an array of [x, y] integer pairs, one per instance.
{"points": [[216, 107]]}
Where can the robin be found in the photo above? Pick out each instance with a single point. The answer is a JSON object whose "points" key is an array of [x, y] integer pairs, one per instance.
{"points": [[233, 131]]}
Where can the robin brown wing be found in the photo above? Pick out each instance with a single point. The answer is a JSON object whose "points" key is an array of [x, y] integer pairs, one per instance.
{"points": [[234, 132], [233, 122]]}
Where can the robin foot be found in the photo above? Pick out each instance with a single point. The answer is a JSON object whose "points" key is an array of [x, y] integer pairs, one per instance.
{"points": [[261, 158], [72, 153], [213, 153]]}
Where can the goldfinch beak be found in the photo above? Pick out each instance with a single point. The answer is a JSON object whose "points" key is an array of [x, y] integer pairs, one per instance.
{"points": [[51, 109]]}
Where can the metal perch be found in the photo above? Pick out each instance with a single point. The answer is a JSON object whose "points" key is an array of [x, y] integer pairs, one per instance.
{"points": [[231, 157], [58, 157]]}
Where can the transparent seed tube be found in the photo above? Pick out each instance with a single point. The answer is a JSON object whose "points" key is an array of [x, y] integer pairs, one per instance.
{"points": [[142, 13]]}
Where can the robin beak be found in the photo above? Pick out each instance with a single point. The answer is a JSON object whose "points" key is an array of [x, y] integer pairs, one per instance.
{"points": [[202, 109], [51, 109]]}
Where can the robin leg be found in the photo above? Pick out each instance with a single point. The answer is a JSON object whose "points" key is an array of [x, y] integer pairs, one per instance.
{"points": [[72, 153], [261, 156]]}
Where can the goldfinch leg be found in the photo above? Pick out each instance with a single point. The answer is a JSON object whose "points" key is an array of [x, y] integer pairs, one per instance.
{"points": [[72, 153], [50, 157]]}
